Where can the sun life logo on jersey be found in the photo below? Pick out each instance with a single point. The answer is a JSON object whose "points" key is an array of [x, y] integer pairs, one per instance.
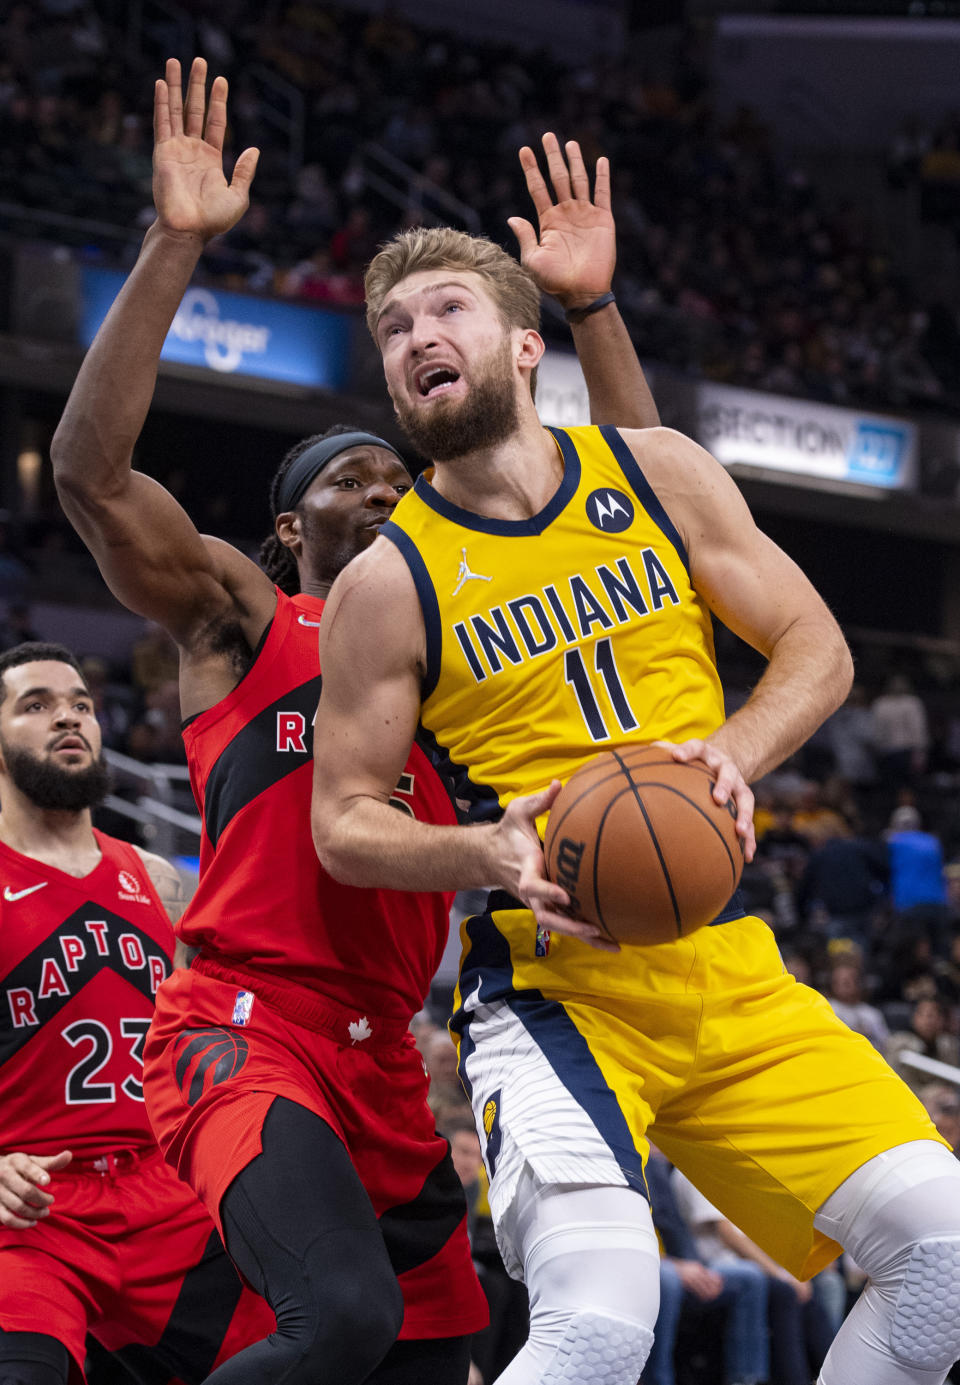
{"points": [[130, 888], [609, 511]]}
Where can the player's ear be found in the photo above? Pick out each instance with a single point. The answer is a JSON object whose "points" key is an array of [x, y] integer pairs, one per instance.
{"points": [[530, 349], [287, 526]]}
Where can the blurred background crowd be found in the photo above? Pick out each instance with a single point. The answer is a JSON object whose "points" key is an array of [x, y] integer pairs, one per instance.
{"points": [[735, 263]]}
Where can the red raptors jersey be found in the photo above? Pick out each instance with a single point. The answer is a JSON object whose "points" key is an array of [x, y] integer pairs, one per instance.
{"points": [[264, 901], [80, 963]]}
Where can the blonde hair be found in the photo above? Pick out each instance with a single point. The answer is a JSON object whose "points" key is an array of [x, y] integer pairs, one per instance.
{"points": [[441, 247]]}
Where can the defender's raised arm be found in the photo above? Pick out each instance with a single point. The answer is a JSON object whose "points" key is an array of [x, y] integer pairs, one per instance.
{"points": [[147, 548]]}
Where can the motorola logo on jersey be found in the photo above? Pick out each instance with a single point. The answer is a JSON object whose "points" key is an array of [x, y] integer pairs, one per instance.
{"points": [[609, 511]]}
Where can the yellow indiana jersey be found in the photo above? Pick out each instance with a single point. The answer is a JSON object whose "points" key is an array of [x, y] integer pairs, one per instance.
{"points": [[553, 638]]}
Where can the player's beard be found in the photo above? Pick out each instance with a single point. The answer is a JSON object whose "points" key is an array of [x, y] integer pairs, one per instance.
{"points": [[452, 428], [52, 786]]}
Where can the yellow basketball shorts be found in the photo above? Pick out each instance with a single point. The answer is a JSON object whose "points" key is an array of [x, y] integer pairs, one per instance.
{"points": [[744, 1078]]}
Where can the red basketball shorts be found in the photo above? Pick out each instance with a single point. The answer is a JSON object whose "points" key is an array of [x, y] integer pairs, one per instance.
{"points": [[224, 1045], [131, 1256]]}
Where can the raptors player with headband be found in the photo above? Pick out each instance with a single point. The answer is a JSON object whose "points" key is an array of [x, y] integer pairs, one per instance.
{"points": [[281, 1078], [97, 1234]]}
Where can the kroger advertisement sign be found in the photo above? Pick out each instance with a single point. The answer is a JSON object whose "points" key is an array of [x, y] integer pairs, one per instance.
{"points": [[806, 438], [236, 335]]}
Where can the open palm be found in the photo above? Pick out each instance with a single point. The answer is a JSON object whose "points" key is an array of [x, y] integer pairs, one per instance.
{"points": [[574, 255], [189, 188]]}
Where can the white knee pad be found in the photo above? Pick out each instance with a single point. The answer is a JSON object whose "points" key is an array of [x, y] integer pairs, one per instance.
{"points": [[592, 1269], [599, 1349], [899, 1218], [925, 1330]]}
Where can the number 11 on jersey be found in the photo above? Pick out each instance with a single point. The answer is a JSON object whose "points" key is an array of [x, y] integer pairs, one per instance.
{"points": [[576, 675]]}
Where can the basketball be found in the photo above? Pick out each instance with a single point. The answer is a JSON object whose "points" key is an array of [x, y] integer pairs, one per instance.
{"points": [[642, 848]]}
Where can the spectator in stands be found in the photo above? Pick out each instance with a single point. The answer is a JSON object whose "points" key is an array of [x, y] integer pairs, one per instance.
{"points": [[14, 572], [457, 1126], [156, 737], [814, 817], [851, 737], [908, 970], [153, 658], [800, 1333], [314, 212], [687, 1278], [111, 702], [947, 969], [927, 1035], [781, 844], [845, 994], [942, 1101], [900, 732], [17, 627], [440, 1060], [906, 152], [918, 888], [844, 879], [496, 1345]]}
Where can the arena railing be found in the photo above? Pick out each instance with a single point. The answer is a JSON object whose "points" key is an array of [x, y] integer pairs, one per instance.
{"points": [[169, 830], [404, 187]]}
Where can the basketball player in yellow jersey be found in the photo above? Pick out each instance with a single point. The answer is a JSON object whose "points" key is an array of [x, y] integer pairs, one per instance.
{"points": [[542, 595]]}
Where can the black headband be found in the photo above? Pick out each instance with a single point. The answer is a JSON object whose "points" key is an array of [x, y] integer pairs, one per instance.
{"points": [[311, 462]]}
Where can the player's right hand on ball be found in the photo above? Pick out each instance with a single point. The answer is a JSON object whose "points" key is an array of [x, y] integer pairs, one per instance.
{"points": [[191, 194], [729, 783], [22, 1180], [523, 873]]}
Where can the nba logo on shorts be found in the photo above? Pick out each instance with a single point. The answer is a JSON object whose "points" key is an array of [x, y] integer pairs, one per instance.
{"points": [[242, 1007], [543, 941]]}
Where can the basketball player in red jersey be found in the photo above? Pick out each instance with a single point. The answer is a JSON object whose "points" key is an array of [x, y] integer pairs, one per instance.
{"points": [[281, 1080], [97, 1234]]}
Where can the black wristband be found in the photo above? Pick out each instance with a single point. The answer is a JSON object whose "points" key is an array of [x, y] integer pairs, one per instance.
{"points": [[575, 315]]}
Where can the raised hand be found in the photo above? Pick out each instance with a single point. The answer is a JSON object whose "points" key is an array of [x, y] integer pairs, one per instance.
{"points": [[573, 256], [190, 191]]}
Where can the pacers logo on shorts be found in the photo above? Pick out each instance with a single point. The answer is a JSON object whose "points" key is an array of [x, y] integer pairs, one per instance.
{"points": [[207, 1057], [491, 1128]]}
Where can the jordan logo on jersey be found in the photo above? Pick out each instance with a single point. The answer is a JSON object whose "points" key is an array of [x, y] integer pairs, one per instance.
{"points": [[208, 1057], [609, 510], [464, 575]]}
